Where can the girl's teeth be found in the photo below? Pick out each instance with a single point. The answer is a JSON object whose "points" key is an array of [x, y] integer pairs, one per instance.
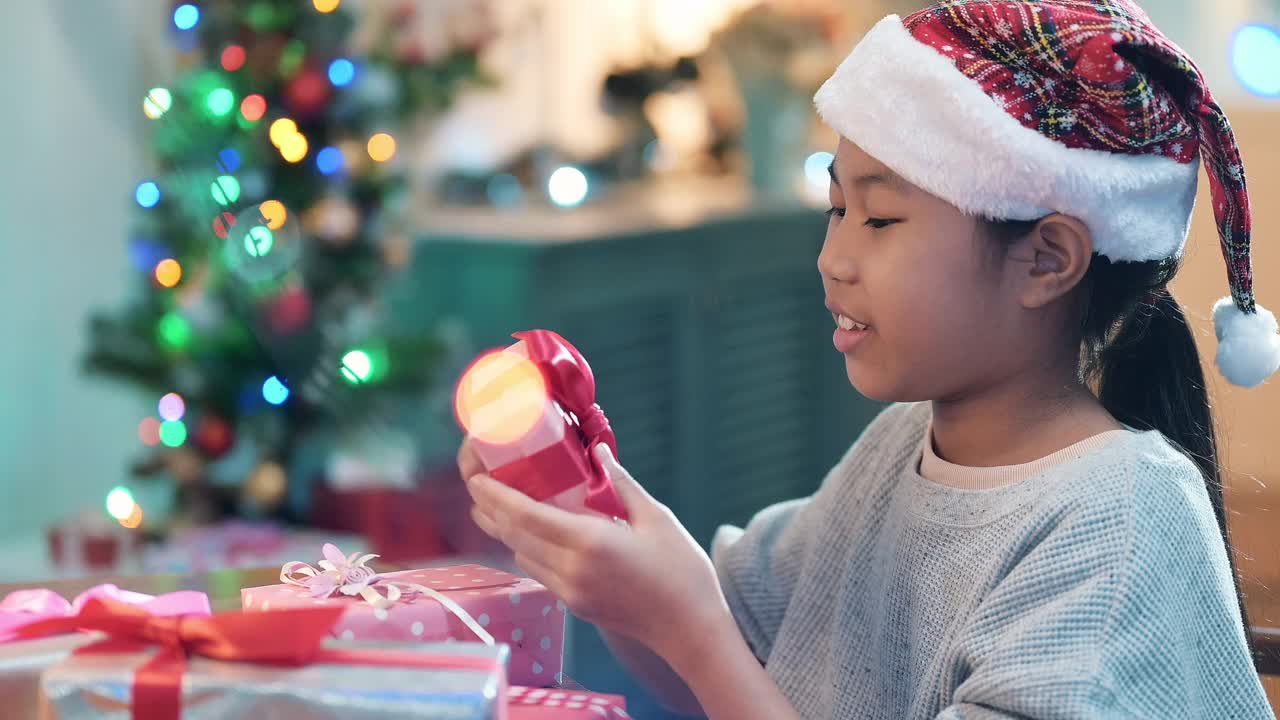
{"points": [[846, 323]]}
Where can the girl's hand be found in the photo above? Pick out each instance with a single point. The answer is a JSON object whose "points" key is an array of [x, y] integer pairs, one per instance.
{"points": [[647, 580]]}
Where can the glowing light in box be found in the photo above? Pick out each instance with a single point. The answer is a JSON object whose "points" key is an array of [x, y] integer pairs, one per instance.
{"points": [[501, 397]]}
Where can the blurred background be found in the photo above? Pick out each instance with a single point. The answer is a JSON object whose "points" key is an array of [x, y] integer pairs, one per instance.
{"points": [[250, 245]]}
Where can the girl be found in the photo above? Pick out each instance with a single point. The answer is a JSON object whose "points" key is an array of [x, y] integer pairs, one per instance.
{"points": [[1036, 529]]}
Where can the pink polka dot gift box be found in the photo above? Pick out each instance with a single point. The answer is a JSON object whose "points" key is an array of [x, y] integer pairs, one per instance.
{"points": [[525, 703], [465, 603]]}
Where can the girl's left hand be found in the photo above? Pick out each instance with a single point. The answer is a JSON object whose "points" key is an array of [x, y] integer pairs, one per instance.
{"points": [[648, 580]]}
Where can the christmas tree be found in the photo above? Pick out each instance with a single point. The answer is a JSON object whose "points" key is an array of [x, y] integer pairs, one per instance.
{"points": [[272, 219]]}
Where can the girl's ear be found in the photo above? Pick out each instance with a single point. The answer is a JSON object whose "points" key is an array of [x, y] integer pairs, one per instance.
{"points": [[1061, 249]]}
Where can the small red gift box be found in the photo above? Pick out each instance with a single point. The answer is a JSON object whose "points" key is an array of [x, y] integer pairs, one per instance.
{"points": [[524, 703]]}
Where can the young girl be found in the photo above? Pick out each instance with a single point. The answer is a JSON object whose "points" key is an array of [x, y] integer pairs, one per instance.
{"points": [[1036, 530]]}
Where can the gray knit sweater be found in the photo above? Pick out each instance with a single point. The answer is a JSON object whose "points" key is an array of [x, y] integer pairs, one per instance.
{"points": [[1097, 589]]}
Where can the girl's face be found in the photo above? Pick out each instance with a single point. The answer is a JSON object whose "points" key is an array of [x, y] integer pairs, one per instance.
{"points": [[935, 316]]}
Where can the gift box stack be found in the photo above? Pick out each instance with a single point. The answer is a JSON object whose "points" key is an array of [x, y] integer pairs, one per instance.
{"points": [[334, 640]]}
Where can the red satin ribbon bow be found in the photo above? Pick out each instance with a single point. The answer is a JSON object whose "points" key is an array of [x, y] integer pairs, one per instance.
{"points": [[573, 386], [291, 637]]}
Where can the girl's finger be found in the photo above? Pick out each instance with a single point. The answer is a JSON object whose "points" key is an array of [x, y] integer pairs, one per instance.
{"points": [[513, 508], [634, 497]]}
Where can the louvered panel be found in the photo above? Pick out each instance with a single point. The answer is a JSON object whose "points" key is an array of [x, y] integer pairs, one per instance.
{"points": [[762, 380], [630, 348]]}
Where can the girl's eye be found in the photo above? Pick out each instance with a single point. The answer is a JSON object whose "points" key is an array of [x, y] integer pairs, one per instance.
{"points": [[838, 212], [878, 223]]}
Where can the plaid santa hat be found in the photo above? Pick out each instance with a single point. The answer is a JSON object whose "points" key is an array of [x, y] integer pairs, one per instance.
{"points": [[1017, 109]]}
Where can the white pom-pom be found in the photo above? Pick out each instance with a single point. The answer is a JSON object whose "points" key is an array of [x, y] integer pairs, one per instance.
{"points": [[1248, 346]]}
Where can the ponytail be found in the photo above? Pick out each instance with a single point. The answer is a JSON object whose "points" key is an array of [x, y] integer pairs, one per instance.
{"points": [[1139, 355]]}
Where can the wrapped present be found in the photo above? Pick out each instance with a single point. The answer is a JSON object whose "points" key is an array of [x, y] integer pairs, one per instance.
{"points": [[525, 703], [457, 602], [531, 416], [23, 660], [23, 607], [255, 665]]}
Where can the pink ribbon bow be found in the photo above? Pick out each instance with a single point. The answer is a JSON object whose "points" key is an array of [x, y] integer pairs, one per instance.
{"points": [[573, 385], [24, 607]]}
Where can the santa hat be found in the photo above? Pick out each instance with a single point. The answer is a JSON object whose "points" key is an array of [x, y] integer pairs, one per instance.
{"points": [[1017, 109]]}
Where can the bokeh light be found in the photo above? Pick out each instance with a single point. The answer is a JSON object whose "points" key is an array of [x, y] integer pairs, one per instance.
{"points": [[222, 225], [147, 194], [225, 190], [229, 159], [233, 58], [815, 170], [157, 103], [1255, 58], [329, 160], [282, 129], [326, 6], [173, 433], [220, 101], [120, 502], [149, 431], [168, 272], [172, 407], [258, 241], [567, 186], [134, 519], [275, 391], [174, 331], [294, 148], [357, 367], [186, 16], [253, 107], [274, 213], [382, 147], [341, 72], [501, 397]]}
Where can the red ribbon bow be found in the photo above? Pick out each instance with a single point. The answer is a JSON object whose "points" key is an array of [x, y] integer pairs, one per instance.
{"points": [[572, 385], [290, 637]]}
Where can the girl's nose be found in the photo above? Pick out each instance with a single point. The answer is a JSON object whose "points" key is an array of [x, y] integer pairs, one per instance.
{"points": [[835, 265]]}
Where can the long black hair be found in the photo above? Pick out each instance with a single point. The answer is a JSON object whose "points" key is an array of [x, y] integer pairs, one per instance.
{"points": [[1139, 355]]}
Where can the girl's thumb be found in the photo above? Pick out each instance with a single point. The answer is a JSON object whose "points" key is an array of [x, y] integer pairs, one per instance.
{"points": [[633, 495]]}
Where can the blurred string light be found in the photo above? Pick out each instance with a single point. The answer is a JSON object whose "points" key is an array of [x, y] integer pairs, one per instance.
{"points": [[174, 331], [168, 272], [147, 194], [281, 129], [382, 147], [186, 16], [291, 143], [253, 107], [815, 170], [274, 213], [225, 190], [357, 367], [229, 159], [567, 186], [173, 433], [220, 101], [329, 160], [149, 432], [120, 502], [134, 520], [172, 407], [501, 397], [233, 57], [274, 391], [341, 72], [222, 225], [259, 241], [326, 6], [1255, 58], [157, 103]]}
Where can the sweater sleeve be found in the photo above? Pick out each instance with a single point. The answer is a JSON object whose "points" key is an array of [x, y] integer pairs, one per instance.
{"points": [[760, 566], [1118, 612]]}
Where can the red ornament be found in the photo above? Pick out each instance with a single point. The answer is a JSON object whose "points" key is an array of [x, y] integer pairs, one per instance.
{"points": [[214, 437], [307, 93], [289, 312]]}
